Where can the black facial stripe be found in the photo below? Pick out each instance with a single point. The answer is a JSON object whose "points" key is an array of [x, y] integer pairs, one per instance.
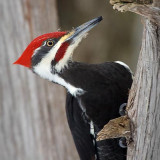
{"points": [[53, 63], [42, 52], [39, 55]]}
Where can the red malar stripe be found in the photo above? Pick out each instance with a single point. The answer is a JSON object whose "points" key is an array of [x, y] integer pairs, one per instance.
{"points": [[61, 51]]}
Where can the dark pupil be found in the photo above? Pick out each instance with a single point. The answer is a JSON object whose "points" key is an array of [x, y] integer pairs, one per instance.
{"points": [[50, 43]]}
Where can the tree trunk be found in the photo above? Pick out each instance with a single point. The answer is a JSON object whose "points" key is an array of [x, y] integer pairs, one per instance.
{"points": [[32, 116], [144, 99]]}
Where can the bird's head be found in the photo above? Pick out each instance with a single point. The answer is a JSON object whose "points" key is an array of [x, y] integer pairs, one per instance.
{"points": [[51, 52]]}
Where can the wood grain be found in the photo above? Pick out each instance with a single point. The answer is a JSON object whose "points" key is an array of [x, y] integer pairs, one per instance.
{"points": [[32, 115], [144, 99]]}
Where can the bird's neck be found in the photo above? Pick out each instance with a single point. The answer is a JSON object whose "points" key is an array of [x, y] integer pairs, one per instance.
{"points": [[65, 78]]}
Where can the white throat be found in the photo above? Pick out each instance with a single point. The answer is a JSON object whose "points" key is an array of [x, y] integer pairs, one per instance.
{"points": [[45, 73]]}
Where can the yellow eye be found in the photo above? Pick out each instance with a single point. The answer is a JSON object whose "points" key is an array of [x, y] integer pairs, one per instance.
{"points": [[50, 43]]}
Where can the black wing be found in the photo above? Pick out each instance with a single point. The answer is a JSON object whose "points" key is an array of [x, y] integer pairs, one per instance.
{"points": [[80, 129], [102, 103]]}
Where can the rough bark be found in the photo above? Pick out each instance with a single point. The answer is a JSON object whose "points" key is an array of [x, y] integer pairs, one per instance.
{"points": [[144, 99], [32, 115], [151, 12], [115, 128]]}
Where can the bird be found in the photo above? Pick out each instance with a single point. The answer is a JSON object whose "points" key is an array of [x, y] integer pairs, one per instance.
{"points": [[94, 94]]}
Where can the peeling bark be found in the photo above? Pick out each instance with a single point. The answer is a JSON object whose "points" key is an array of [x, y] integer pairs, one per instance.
{"points": [[115, 128], [144, 99], [143, 107], [148, 11]]}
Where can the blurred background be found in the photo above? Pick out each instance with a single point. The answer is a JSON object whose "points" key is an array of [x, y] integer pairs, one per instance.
{"points": [[33, 123], [117, 37]]}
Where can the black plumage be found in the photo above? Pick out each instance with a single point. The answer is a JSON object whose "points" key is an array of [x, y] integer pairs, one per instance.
{"points": [[106, 87], [80, 129]]}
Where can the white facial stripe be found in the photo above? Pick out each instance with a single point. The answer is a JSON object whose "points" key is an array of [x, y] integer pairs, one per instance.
{"points": [[46, 61], [35, 52], [68, 55], [44, 72], [44, 43], [52, 53], [43, 68]]}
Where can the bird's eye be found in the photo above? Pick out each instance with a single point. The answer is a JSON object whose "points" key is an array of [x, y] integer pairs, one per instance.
{"points": [[50, 43]]}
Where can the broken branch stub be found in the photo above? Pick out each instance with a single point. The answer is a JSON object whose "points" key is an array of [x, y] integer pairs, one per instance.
{"points": [[141, 7], [115, 128], [141, 1], [132, 1]]}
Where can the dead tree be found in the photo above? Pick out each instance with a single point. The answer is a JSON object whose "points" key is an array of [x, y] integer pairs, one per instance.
{"points": [[144, 100], [32, 116]]}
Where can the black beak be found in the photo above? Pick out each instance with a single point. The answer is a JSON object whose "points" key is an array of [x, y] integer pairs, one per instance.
{"points": [[83, 29]]}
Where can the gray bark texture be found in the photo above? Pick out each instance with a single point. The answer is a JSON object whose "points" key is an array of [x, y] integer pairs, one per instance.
{"points": [[144, 99], [32, 115]]}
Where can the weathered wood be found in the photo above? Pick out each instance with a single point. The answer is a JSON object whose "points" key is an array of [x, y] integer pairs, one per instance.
{"points": [[148, 11], [144, 99], [32, 115], [115, 128], [131, 1]]}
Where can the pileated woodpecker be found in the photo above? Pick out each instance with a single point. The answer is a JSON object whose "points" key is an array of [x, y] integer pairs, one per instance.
{"points": [[95, 91]]}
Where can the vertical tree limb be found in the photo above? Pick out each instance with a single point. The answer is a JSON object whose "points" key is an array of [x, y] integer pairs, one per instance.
{"points": [[144, 99], [145, 110], [143, 106]]}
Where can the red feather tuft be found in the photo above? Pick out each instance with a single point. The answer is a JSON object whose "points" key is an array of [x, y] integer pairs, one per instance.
{"points": [[61, 51], [25, 58]]}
